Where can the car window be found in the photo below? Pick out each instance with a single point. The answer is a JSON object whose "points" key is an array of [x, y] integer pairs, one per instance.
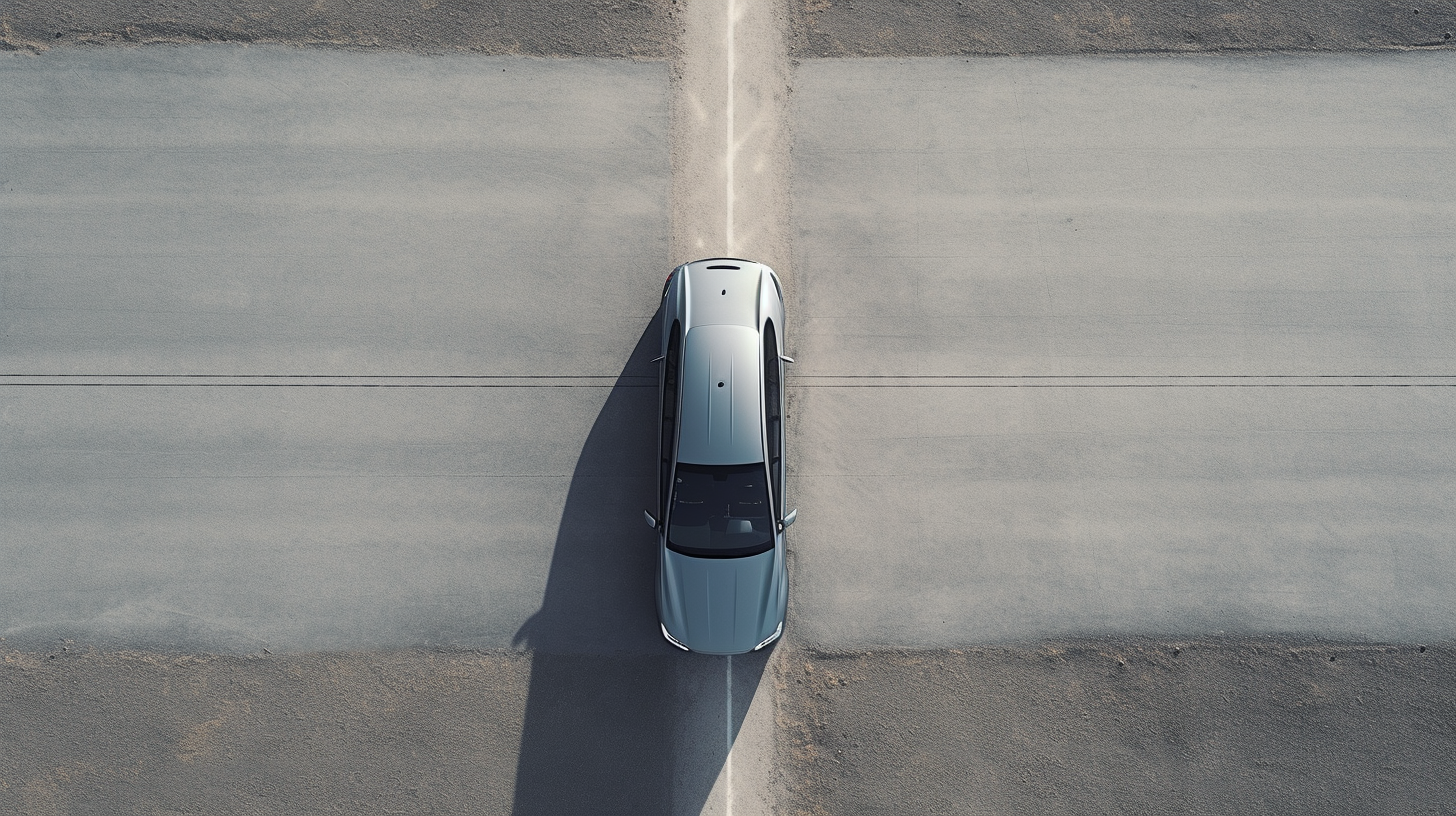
{"points": [[670, 375], [773, 411], [720, 511]]}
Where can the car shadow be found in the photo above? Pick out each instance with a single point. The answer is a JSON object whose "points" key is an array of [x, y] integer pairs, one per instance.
{"points": [[616, 720]]}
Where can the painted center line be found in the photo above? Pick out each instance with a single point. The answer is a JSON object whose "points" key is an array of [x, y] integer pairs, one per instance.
{"points": [[728, 739], [728, 146]]}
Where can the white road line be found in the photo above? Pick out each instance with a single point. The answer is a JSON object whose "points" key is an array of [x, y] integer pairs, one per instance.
{"points": [[729, 148], [728, 737]]}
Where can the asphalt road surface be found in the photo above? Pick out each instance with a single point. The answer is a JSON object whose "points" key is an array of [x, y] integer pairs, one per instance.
{"points": [[1122, 420]]}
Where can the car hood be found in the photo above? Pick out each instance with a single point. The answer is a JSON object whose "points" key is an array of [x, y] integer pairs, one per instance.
{"points": [[720, 605]]}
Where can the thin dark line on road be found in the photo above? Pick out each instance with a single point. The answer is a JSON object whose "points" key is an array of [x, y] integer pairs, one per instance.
{"points": [[1124, 381], [324, 385], [1136, 385], [328, 381], [796, 381], [791, 376], [328, 376], [653, 385], [336, 476], [1121, 376]]}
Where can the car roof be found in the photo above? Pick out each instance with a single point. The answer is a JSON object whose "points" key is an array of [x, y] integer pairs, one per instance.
{"points": [[723, 294], [722, 396]]}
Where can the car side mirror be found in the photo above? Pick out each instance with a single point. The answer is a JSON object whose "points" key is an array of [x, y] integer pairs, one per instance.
{"points": [[651, 522], [789, 519]]}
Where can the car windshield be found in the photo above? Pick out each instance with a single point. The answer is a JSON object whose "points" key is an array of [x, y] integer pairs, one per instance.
{"points": [[720, 511]]}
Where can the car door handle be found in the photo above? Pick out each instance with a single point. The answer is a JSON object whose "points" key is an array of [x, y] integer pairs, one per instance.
{"points": [[786, 358]]}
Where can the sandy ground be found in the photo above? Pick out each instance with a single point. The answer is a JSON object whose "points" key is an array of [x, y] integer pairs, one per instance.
{"points": [[919, 28], [152, 733], [597, 28], [1212, 726], [813, 28], [1116, 726]]}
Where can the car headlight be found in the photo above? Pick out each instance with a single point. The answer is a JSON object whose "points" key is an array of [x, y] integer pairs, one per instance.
{"points": [[778, 630], [674, 641]]}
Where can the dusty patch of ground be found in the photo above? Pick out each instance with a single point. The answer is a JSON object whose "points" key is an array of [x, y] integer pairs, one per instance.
{"points": [[90, 732], [554, 28], [816, 28], [1216, 727], [907, 28], [137, 732]]}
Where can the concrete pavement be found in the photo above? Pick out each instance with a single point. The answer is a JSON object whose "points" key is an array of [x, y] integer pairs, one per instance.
{"points": [[255, 211], [1083, 352]]}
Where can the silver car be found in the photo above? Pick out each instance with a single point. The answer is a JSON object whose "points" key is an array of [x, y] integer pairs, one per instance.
{"points": [[721, 583]]}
